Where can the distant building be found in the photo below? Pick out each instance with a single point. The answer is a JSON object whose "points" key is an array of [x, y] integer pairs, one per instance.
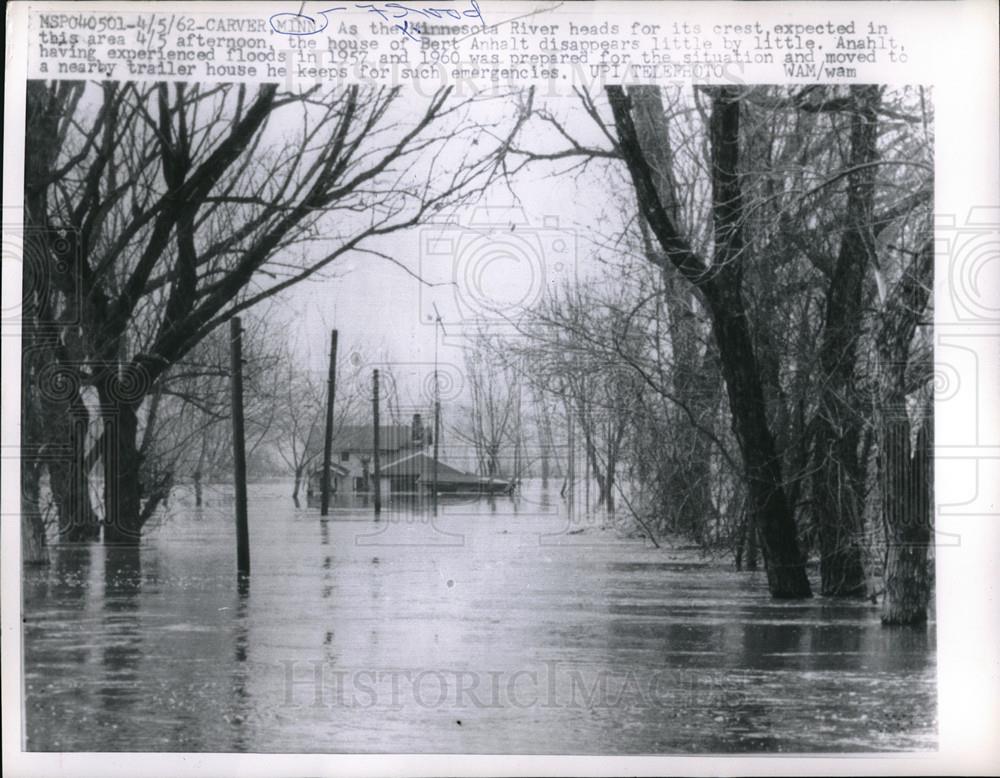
{"points": [[353, 451], [418, 472], [406, 464]]}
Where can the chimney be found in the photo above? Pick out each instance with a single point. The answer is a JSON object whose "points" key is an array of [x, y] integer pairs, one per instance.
{"points": [[418, 429]]}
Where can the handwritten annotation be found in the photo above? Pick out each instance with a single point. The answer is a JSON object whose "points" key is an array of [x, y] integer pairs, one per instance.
{"points": [[287, 23]]}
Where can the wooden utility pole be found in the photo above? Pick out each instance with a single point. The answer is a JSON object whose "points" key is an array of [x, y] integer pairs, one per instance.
{"points": [[331, 390], [437, 435], [239, 448], [437, 412], [376, 462]]}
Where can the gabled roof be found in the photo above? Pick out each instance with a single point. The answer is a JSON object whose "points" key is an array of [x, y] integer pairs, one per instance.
{"points": [[360, 438], [421, 465], [335, 469]]}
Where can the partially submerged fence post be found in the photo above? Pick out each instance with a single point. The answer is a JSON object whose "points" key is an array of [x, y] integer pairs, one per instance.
{"points": [[239, 448], [331, 388], [375, 444]]}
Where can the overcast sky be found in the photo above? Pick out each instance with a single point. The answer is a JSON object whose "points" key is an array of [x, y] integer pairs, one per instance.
{"points": [[496, 256]]}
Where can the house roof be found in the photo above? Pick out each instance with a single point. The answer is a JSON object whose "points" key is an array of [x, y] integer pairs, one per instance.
{"points": [[335, 469], [421, 465], [360, 438]]}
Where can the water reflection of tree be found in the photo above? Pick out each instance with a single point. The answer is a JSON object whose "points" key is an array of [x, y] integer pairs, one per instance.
{"points": [[57, 659], [122, 682]]}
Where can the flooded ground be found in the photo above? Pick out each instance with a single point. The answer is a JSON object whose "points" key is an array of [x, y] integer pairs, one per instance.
{"points": [[494, 628]]}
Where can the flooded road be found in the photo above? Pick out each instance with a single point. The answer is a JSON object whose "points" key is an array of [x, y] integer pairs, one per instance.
{"points": [[490, 629]]}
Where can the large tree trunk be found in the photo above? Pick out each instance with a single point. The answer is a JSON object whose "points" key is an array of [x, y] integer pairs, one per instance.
{"points": [[53, 414], [34, 549], [751, 548], [693, 380], [838, 512], [56, 421], [720, 283], [768, 508], [697, 386], [838, 479], [907, 504], [746, 546], [907, 481], [122, 487], [69, 475]]}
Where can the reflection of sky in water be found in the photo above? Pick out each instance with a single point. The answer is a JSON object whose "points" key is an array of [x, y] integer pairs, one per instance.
{"points": [[487, 630]]}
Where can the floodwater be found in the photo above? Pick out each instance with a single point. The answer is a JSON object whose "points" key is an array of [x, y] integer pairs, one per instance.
{"points": [[494, 628]]}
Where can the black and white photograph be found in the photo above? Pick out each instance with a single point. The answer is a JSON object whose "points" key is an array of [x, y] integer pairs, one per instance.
{"points": [[372, 418]]}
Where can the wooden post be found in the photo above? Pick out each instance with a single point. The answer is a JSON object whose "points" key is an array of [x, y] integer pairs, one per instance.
{"points": [[437, 434], [331, 390], [376, 462], [239, 448]]}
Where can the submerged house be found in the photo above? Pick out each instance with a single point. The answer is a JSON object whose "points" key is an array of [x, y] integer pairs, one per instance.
{"points": [[353, 451], [419, 473], [406, 464]]}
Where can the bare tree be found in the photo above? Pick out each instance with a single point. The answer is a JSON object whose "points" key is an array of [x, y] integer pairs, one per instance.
{"points": [[719, 279], [579, 346], [187, 418], [302, 412], [493, 417], [182, 205], [769, 235]]}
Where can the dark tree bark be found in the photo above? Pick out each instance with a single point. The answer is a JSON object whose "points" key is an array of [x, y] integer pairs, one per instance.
{"points": [[907, 505], [177, 201], [688, 500], [746, 547], [907, 478], [696, 384], [67, 421], [299, 472], [838, 480], [771, 514], [720, 284], [123, 514], [54, 414], [751, 548], [34, 548]]}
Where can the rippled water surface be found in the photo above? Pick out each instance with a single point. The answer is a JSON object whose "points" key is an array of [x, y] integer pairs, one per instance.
{"points": [[498, 627]]}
